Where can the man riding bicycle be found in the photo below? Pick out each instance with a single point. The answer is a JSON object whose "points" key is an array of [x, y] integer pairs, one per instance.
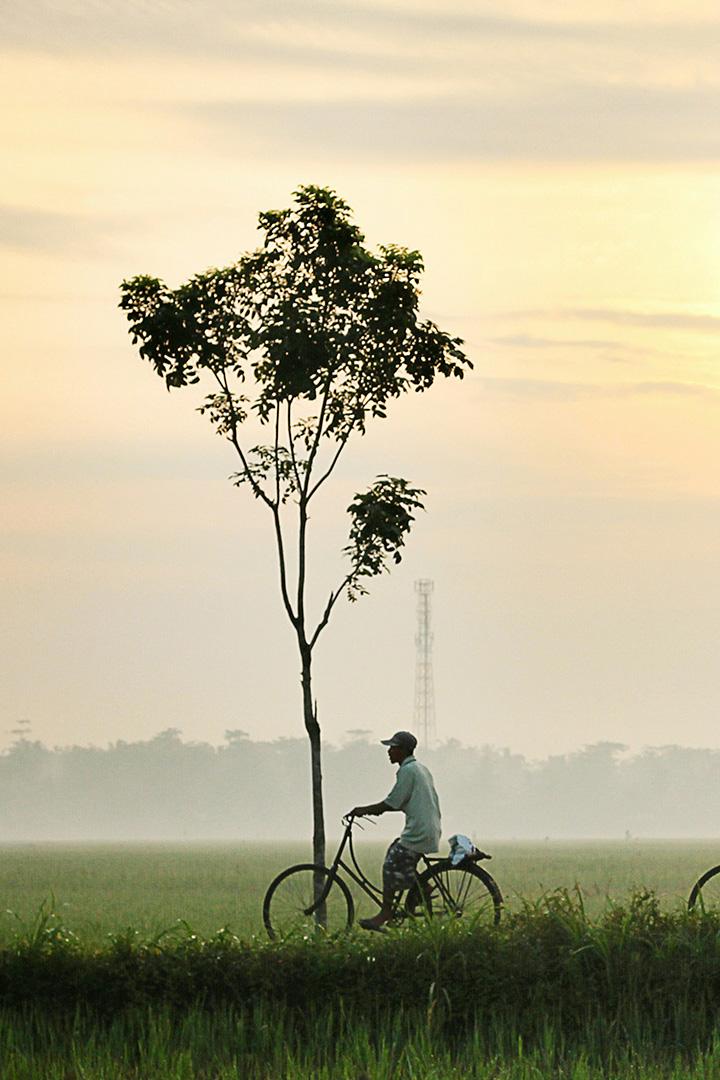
{"points": [[414, 793]]}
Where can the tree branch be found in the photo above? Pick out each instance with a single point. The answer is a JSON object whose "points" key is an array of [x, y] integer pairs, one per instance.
{"points": [[279, 540], [302, 534], [333, 463], [277, 464], [291, 444], [257, 490], [318, 435], [343, 443], [274, 507], [328, 609]]}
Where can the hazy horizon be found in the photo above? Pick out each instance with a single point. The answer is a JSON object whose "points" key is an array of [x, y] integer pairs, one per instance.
{"points": [[559, 173], [167, 789]]}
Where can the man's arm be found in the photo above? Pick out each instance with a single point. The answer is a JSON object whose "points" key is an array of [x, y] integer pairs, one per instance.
{"points": [[374, 809]]}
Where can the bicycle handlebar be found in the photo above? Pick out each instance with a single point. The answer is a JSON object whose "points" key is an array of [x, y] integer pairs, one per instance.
{"points": [[351, 819]]}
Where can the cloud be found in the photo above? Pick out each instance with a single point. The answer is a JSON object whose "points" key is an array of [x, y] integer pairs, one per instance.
{"points": [[24, 229], [95, 460], [671, 389], [572, 123], [544, 390], [669, 320], [36, 297], [528, 341], [485, 86], [228, 27], [652, 320]]}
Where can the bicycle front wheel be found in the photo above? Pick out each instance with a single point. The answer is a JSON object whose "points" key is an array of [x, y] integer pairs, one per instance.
{"points": [[465, 890], [288, 904], [706, 891]]}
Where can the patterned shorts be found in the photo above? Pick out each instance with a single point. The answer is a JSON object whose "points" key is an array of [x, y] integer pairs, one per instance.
{"points": [[399, 867]]}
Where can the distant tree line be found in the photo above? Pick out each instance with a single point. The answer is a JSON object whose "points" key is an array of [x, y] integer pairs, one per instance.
{"points": [[165, 788]]}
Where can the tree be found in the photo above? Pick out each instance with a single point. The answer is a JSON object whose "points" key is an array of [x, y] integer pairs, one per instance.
{"points": [[310, 336]]}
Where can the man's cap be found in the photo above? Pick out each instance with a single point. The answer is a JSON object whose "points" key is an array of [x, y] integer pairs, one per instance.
{"points": [[404, 739]]}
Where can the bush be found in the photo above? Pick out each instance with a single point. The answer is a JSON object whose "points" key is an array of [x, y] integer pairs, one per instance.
{"points": [[636, 972]]}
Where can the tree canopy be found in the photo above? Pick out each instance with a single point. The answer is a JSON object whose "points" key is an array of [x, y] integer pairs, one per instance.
{"points": [[312, 334]]}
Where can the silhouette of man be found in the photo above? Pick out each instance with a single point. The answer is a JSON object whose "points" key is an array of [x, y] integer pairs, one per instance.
{"points": [[414, 793]]}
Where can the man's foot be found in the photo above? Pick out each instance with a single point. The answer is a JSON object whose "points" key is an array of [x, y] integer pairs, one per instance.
{"points": [[372, 924]]}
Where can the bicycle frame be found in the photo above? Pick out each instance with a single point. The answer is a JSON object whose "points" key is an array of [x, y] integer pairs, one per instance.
{"points": [[353, 871]]}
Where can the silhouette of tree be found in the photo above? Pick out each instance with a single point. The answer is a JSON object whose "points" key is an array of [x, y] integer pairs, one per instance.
{"points": [[236, 735], [312, 335], [164, 789]]}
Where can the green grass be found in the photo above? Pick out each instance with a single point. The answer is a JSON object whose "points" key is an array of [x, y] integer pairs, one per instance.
{"points": [[633, 965], [101, 889], [631, 992], [268, 1044]]}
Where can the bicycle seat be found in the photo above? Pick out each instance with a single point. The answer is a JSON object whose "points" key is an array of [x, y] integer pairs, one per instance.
{"points": [[475, 856]]}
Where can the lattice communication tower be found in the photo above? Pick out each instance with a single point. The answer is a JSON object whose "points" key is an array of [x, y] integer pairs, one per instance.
{"points": [[424, 688]]}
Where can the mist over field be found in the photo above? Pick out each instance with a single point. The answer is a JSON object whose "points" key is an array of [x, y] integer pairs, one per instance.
{"points": [[169, 789]]}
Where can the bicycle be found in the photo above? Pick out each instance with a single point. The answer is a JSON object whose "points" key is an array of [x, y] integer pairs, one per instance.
{"points": [[297, 895], [711, 896]]}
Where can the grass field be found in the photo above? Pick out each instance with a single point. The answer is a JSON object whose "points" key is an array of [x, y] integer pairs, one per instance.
{"points": [[273, 1045], [102, 889], [598, 990]]}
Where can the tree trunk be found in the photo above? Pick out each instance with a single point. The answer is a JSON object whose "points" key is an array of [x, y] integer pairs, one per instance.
{"points": [[313, 729]]}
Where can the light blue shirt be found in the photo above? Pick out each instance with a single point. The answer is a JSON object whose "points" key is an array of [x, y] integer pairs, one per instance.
{"points": [[414, 793]]}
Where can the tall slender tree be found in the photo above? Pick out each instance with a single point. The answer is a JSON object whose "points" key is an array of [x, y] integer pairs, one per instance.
{"points": [[311, 335]]}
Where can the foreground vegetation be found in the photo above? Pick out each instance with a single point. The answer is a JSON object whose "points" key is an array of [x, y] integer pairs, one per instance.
{"points": [[123, 972], [549, 962], [272, 1044], [552, 991]]}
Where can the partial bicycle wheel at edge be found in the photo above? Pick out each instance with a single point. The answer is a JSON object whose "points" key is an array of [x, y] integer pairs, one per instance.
{"points": [[291, 894], [708, 894], [466, 890]]}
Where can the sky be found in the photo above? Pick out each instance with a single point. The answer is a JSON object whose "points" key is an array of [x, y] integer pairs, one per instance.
{"points": [[557, 166]]}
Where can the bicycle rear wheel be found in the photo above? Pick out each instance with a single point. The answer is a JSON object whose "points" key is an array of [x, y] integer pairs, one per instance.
{"points": [[706, 891], [465, 890], [287, 903]]}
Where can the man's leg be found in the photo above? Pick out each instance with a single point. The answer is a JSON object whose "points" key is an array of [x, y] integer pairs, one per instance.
{"points": [[398, 874], [384, 914]]}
